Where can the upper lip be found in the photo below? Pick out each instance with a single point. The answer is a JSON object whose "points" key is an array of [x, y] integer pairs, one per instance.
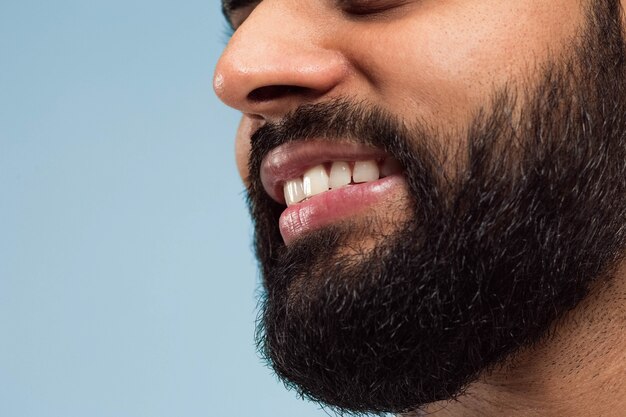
{"points": [[291, 160]]}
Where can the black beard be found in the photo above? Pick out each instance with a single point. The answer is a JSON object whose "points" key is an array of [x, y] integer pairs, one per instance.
{"points": [[493, 253]]}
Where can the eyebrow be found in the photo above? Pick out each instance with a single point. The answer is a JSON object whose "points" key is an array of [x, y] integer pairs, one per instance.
{"points": [[229, 6]]}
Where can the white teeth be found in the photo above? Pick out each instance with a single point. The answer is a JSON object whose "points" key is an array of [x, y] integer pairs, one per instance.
{"points": [[365, 171], [315, 181], [294, 193], [340, 174]]}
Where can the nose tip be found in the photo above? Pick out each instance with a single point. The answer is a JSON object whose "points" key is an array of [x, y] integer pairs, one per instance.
{"points": [[265, 71]]}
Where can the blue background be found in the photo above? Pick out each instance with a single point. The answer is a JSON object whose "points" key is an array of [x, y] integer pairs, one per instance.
{"points": [[127, 283]]}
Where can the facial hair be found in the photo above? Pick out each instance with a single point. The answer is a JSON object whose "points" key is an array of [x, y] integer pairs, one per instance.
{"points": [[491, 255]]}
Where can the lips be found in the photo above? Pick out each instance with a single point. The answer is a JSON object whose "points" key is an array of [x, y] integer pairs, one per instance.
{"points": [[322, 183]]}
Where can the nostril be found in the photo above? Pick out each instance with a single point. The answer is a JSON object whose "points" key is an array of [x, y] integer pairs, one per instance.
{"points": [[274, 92]]}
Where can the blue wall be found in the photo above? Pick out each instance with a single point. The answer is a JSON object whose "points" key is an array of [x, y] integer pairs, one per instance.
{"points": [[127, 283]]}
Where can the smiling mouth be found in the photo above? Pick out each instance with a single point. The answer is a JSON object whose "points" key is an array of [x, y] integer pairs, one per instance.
{"points": [[338, 174], [322, 182]]}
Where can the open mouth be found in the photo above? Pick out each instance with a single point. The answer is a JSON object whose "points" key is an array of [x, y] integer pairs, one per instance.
{"points": [[321, 182]]}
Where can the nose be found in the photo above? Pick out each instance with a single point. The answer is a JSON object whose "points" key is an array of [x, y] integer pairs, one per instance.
{"points": [[277, 60]]}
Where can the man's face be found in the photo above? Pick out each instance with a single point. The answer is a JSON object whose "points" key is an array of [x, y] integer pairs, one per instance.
{"points": [[437, 60], [481, 141]]}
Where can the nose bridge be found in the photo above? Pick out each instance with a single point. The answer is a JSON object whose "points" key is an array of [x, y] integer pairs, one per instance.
{"points": [[279, 48]]}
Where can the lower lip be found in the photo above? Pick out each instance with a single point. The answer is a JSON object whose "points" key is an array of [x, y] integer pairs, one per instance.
{"points": [[334, 205]]}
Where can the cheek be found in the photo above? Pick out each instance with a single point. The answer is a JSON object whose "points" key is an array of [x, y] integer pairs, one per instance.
{"points": [[444, 61]]}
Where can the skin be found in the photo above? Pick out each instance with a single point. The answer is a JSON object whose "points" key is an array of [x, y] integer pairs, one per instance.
{"points": [[440, 61]]}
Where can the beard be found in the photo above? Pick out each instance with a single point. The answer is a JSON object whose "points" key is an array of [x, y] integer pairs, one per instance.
{"points": [[501, 239]]}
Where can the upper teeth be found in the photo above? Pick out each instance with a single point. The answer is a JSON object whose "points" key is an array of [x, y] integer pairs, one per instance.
{"points": [[318, 179]]}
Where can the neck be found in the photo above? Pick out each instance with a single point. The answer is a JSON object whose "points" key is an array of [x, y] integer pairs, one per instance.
{"points": [[580, 370]]}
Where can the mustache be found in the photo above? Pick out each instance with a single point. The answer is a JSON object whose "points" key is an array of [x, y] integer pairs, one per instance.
{"points": [[354, 121], [334, 120]]}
